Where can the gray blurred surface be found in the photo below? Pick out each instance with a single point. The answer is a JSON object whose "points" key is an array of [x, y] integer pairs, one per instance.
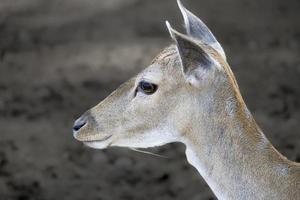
{"points": [[60, 57]]}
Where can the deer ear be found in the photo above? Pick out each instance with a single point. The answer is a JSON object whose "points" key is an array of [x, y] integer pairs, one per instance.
{"points": [[196, 63], [198, 30]]}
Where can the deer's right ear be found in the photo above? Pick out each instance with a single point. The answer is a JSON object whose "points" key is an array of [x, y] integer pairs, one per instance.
{"points": [[196, 63]]}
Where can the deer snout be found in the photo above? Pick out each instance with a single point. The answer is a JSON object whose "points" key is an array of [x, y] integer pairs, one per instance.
{"points": [[84, 128]]}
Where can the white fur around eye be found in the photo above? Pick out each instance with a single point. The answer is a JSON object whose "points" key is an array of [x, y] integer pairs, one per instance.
{"points": [[142, 94]]}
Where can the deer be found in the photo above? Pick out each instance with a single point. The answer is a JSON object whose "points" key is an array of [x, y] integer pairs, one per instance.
{"points": [[189, 94]]}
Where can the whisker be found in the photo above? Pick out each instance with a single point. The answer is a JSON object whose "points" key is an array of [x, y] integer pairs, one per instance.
{"points": [[149, 153]]}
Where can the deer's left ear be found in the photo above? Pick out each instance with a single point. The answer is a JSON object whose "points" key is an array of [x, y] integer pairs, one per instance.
{"points": [[198, 30], [197, 65]]}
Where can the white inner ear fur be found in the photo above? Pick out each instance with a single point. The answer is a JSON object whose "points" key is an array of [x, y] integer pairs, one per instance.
{"points": [[201, 72], [196, 76]]}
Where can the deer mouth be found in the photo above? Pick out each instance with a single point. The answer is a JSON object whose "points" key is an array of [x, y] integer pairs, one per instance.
{"points": [[98, 144], [98, 140]]}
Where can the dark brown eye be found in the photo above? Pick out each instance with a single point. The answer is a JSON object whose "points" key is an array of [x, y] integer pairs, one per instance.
{"points": [[147, 88]]}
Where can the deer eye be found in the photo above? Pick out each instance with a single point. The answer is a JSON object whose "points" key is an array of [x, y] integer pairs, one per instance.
{"points": [[146, 87]]}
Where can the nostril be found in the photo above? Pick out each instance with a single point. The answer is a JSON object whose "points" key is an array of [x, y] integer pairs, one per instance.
{"points": [[79, 124]]}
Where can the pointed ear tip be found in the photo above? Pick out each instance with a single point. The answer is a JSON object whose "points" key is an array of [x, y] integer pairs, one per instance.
{"points": [[180, 5], [170, 29], [182, 9], [173, 33], [168, 24]]}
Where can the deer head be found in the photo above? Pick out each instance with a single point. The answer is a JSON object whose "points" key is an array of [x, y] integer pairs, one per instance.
{"points": [[188, 81]]}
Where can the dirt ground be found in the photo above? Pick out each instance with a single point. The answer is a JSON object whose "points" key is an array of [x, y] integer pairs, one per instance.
{"points": [[60, 57]]}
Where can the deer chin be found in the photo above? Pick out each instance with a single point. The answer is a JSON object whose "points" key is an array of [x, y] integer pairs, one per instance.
{"points": [[99, 144]]}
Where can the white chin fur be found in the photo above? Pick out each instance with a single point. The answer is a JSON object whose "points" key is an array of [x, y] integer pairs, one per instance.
{"points": [[97, 145]]}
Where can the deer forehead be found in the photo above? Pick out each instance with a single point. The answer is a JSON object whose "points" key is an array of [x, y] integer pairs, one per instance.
{"points": [[153, 73], [166, 65]]}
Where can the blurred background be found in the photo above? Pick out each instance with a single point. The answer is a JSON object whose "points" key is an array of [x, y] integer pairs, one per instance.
{"points": [[60, 57]]}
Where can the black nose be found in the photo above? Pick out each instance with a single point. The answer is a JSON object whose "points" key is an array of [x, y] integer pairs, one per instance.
{"points": [[79, 123]]}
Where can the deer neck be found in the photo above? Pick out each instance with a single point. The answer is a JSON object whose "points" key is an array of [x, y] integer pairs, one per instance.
{"points": [[233, 155]]}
